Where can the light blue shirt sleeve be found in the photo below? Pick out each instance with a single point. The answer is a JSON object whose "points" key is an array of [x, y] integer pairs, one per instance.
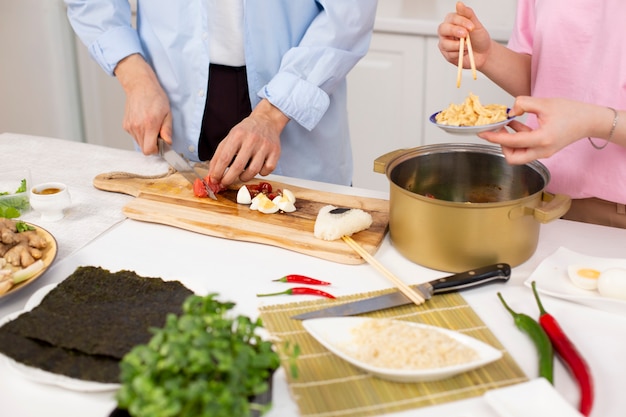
{"points": [[105, 27], [332, 44]]}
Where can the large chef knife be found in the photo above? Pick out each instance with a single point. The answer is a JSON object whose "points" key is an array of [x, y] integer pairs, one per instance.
{"points": [[469, 279], [180, 164]]}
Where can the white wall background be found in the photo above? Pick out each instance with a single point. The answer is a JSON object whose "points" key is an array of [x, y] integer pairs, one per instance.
{"points": [[39, 92]]}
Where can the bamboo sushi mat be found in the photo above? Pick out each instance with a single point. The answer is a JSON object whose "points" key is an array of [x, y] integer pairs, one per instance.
{"points": [[327, 386]]}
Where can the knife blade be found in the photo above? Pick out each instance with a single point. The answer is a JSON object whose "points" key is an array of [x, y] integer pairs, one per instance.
{"points": [[469, 279], [182, 165]]}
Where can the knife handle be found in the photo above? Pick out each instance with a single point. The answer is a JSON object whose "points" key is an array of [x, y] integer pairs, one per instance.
{"points": [[472, 278]]}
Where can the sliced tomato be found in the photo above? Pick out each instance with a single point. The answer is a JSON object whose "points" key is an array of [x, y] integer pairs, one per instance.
{"points": [[198, 188], [216, 188], [265, 187], [253, 187]]}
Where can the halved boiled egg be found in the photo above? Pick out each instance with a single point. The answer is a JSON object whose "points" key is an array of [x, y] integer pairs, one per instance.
{"points": [[289, 195], [612, 283], [284, 203], [583, 276], [243, 195], [263, 204]]}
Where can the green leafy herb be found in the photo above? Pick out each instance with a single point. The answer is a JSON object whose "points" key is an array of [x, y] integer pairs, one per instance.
{"points": [[23, 227], [11, 208], [202, 363], [22, 187]]}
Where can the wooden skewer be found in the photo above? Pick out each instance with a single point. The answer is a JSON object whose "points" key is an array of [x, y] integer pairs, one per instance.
{"points": [[460, 65], [470, 52], [404, 289]]}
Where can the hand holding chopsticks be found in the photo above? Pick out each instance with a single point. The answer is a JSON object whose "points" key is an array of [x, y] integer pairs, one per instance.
{"points": [[470, 52]]}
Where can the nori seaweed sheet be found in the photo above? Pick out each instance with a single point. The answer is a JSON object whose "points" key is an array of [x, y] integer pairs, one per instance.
{"points": [[85, 325]]}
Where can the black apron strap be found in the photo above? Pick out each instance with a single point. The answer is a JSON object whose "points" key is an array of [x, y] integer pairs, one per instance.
{"points": [[228, 103]]}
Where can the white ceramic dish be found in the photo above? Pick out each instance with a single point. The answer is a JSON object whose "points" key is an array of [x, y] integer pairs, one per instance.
{"points": [[50, 199], [537, 397], [44, 377], [552, 279], [333, 332], [469, 130]]}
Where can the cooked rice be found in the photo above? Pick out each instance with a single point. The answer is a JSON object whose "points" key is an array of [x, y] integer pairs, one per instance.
{"points": [[332, 226], [398, 345]]}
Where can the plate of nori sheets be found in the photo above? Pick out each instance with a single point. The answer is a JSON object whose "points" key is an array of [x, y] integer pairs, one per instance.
{"points": [[75, 335]]}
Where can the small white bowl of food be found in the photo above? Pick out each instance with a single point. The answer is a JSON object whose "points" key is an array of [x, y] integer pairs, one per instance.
{"points": [[50, 199]]}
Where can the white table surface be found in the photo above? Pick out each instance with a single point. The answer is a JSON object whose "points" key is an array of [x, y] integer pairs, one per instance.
{"points": [[94, 232]]}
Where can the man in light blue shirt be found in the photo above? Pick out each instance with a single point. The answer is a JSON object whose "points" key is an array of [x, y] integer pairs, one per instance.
{"points": [[296, 54]]}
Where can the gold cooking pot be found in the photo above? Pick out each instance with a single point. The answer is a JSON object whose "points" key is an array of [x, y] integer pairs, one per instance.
{"points": [[454, 207]]}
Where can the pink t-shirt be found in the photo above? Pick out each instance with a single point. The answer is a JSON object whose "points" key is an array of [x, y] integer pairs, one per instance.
{"points": [[578, 52]]}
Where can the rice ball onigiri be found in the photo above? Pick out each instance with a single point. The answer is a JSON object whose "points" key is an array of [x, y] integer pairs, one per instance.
{"points": [[332, 223]]}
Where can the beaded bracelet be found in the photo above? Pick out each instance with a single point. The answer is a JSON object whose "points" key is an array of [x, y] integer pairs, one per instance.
{"points": [[615, 118]]}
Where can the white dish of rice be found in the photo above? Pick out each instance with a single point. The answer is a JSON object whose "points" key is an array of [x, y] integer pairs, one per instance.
{"points": [[399, 350]]}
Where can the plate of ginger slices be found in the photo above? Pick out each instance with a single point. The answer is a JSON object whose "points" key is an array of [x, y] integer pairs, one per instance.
{"points": [[26, 252]]}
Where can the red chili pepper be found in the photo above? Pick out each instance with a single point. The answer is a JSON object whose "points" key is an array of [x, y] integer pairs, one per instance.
{"points": [[301, 279], [570, 355], [299, 291]]}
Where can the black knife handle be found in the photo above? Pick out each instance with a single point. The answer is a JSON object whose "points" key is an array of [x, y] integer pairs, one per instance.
{"points": [[472, 278]]}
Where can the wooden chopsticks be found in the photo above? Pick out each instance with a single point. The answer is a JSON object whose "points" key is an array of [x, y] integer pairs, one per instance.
{"points": [[470, 52], [404, 289]]}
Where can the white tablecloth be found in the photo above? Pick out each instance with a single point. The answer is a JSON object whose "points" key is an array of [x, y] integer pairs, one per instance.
{"points": [[232, 269]]}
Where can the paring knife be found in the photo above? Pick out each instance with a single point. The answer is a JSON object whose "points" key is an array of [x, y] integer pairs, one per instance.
{"points": [[182, 165], [469, 279]]}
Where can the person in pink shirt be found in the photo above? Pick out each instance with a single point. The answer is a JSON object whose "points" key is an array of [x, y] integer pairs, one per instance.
{"points": [[566, 65]]}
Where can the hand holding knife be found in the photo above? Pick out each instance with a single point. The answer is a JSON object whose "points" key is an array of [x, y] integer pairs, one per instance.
{"points": [[182, 165]]}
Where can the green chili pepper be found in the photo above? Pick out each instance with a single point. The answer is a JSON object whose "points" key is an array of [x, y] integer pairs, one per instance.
{"points": [[539, 337]]}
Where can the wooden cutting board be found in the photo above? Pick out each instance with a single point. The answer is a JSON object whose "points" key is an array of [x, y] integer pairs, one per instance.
{"points": [[169, 200]]}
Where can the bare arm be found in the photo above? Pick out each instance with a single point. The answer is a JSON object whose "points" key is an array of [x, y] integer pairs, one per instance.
{"points": [[508, 69]]}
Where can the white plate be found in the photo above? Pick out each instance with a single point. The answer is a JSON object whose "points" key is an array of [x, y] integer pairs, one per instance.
{"points": [[552, 279], [469, 130], [333, 332], [533, 398], [45, 377]]}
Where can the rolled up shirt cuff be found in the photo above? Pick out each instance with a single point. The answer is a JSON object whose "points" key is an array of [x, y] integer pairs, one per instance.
{"points": [[115, 45], [298, 99]]}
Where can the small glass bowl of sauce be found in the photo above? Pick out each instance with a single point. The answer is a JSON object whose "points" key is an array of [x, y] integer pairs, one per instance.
{"points": [[50, 199]]}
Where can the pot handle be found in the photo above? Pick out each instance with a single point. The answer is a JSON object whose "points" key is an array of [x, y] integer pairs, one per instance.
{"points": [[554, 207], [380, 163]]}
